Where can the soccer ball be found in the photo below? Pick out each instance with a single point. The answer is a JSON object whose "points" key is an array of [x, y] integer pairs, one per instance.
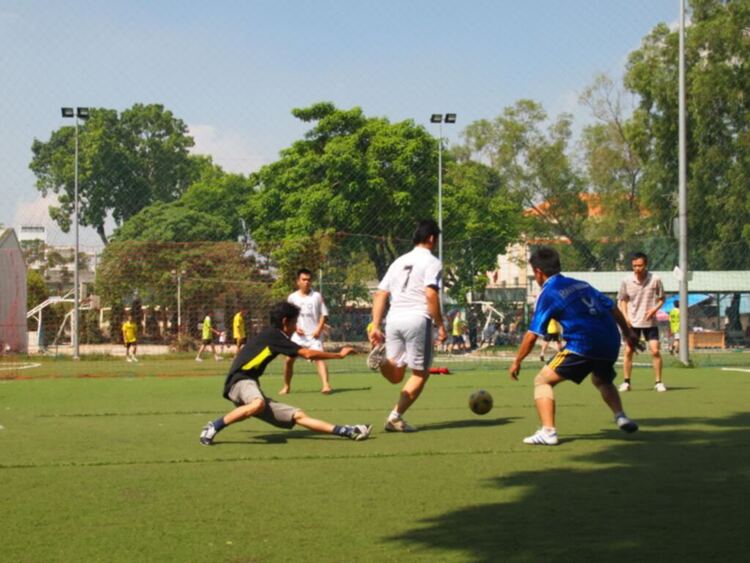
{"points": [[480, 402]]}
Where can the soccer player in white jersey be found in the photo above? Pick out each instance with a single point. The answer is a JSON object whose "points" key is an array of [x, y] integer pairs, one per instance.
{"points": [[413, 284], [309, 334]]}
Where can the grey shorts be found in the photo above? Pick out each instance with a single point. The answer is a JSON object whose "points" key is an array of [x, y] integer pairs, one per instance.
{"points": [[275, 413]]}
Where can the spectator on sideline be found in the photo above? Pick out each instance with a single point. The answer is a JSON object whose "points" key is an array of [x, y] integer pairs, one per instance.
{"points": [[641, 295]]}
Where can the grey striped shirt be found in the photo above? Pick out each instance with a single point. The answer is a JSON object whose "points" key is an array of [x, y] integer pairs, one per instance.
{"points": [[641, 297]]}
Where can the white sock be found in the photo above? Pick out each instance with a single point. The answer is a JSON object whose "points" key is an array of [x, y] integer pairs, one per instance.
{"points": [[394, 415], [549, 429]]}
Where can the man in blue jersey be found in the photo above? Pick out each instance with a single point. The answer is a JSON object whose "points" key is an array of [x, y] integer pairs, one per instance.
{"points": [[589, 321]]}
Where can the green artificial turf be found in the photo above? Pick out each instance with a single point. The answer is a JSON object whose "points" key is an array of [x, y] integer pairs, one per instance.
{"points": [[108, 468]]}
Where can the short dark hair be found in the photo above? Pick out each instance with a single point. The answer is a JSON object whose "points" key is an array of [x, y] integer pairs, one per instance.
{"points": [[303, 271], [676, 302], [547, 260], [282, 310], [426, 228], [639, 256]]}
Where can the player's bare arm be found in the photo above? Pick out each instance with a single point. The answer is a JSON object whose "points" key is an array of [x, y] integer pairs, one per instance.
{"points": [[321, 326], [378, 310], [433, 308], [622, 306], [308, 354], [631, 338], [527, 345]]}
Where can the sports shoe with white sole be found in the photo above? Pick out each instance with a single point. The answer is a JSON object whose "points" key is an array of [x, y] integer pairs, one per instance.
{"points": [[376, 357], [626, 425], [541, 438], [660, 387], [624, 386], [360, 432], [207, 434], [398, 425]]}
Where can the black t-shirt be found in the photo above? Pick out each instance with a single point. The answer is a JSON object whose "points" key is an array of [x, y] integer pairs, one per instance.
{"points": [[252, 360]]}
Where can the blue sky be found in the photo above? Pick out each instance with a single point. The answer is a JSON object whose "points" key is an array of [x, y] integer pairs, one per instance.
{"points": [[233, 70]]}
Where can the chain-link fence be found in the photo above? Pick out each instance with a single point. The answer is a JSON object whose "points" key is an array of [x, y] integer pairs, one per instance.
{"points": [[594, 176]]}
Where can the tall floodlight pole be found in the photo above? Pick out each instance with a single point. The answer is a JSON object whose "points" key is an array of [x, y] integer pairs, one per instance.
{"points": [[439, 118], [179, 297], [682, 218], [83, 113]]}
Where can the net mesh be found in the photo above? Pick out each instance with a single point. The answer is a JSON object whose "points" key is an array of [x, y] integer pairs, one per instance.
{"points": [[595, 176]]}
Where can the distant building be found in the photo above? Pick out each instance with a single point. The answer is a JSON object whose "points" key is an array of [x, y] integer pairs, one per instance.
{"points": [[13, 337], [32, 233]]}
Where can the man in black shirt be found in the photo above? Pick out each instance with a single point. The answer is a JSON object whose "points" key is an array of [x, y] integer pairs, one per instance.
{"points": [[243, 388]]}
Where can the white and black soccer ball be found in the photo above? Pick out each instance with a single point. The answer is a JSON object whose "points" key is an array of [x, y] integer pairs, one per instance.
{"points": [[480, 402]]}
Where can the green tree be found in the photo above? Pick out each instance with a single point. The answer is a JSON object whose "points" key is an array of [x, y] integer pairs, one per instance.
{"points": [[36, 293], [350, 174], [717, 82], [126, 162], [481, 218], [620, 222], [537, 166], [173, 222]]}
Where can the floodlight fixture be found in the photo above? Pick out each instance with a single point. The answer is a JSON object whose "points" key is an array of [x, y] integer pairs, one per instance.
{"points": [[436, 118], [83, 113], [450, 117], [67, 112]]}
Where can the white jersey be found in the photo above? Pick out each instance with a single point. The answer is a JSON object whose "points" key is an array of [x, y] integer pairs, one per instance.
{"points": [[406, 281], [311, 309]]}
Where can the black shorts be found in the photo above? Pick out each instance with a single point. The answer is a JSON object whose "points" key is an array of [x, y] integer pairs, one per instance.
{"points": [[648, 333], [457, 339], [575, 368], [129, 344], [207, 341], [555, 337]]}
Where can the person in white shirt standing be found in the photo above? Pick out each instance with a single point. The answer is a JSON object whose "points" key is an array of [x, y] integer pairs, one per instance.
{"points": [[312, 319], [640, 297], [412, 283]]}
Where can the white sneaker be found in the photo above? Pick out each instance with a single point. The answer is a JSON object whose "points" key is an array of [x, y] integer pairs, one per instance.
{"points": [[376, 357], [135, 359], [360, 432], [626, 425], [198, 359], [398, 425], [660, 387], [541, 438], [217, 358], [624, 386], [207, 434], [127, 359]]}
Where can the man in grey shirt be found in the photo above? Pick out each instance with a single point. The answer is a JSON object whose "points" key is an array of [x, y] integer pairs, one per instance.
{"points": [[641, 295]]}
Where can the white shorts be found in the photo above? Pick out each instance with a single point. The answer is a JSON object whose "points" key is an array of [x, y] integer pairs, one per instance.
{"points": [[408, 342], [308, 342]]}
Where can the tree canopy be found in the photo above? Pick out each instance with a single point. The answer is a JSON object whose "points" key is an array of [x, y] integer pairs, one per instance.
{"points": [[127, 161]]}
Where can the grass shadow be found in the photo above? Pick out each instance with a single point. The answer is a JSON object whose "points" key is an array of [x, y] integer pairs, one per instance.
{"points": [[468, 423], [671, 495]]}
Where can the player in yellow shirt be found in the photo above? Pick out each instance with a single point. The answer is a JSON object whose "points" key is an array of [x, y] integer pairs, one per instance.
{"points": [[130, 339], [207, 338], [674, 327], [238, 329], [554, 330]]}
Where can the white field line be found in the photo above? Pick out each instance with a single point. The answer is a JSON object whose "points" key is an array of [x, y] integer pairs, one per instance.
{"points": [[7, 366]]}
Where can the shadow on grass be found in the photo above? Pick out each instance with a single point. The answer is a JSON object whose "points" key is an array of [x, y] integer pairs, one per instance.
{"points": [[670, 495], [334, 391], [468, 423]]}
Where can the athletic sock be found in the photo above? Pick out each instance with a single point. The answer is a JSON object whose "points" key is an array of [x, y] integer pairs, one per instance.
{"points": [[619, 414], [549, 429], [344, 431], [219, 424], [395, 415]]}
